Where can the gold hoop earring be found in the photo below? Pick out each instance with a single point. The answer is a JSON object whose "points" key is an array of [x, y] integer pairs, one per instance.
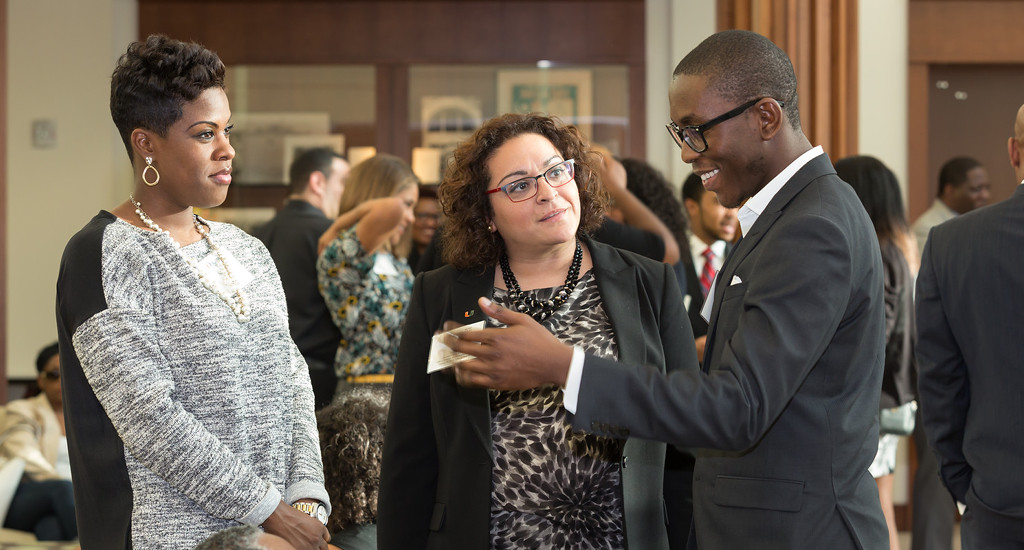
{"points": [[149, 166]]}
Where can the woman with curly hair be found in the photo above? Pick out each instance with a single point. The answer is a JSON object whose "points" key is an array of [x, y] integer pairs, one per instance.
{"points": [[468, 468], [351, 439]]}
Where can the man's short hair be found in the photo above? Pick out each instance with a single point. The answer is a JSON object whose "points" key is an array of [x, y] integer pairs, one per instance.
{"points": [[743, 65], [954, 172], [239, 537], [319, 159], [693, 188]]}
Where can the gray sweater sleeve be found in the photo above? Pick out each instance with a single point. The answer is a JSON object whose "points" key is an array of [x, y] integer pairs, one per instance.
{"points": [[185, 405]]}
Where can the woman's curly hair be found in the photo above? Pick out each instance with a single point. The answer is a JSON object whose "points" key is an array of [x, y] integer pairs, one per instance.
{"points": [[154, 80], [351, 442], [466, 241]]}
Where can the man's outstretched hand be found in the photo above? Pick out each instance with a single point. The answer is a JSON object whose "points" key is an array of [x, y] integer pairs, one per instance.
{"points": [[520, 356]]}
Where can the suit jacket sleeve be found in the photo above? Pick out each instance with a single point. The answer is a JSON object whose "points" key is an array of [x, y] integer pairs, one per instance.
{"points": [[409, 464], [777, 324], [942, 383]]}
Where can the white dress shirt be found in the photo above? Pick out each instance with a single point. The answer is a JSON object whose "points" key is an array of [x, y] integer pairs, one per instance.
{"points": [[748, 214]]}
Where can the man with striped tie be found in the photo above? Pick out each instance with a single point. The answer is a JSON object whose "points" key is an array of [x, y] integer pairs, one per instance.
{"points": [[712, 231]]}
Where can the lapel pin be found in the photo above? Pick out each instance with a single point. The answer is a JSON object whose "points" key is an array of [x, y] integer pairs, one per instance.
{"points": [[469, 313]]}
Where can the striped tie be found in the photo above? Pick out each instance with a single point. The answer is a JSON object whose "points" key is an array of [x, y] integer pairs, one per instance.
{"points": [[707, 275]]}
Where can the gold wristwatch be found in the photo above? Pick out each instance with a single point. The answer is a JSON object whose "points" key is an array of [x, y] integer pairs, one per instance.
{"points": [[314, 509]]}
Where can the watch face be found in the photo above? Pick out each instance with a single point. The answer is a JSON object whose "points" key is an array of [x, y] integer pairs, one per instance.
{"points": [[321, 514]]}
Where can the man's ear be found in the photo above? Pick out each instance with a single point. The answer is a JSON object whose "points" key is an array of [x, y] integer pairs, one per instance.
{"points": [[1013, 148], [769, 118], [317, 181], [691, 207]]}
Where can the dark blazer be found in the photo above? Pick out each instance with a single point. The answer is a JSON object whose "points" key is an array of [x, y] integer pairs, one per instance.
{"points": [[786, 408], [970, 299], [291, 237], [435, 489]]}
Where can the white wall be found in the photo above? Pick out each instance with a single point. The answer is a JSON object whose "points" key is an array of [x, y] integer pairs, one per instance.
{"points": [[60, 54], [882, 84], [674, 27]]}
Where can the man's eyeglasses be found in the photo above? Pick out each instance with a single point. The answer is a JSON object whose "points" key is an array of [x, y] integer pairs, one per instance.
{"points": [[526, 188], [693, 136]]}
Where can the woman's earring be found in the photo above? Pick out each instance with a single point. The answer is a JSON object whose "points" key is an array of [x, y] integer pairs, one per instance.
{"points": [[149, 166], [491, 228]]}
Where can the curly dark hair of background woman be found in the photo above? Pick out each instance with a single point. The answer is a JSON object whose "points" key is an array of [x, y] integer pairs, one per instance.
{"points": [[351, 441], [465, 239], [153, 81], [652, 189]]}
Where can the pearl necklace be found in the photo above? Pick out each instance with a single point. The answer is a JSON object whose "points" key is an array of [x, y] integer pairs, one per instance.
{"points": [[234, 299], [535, 308]]}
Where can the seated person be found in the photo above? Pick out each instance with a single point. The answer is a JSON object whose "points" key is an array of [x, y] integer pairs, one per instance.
{"points": [[33, 429], [351, 442]]}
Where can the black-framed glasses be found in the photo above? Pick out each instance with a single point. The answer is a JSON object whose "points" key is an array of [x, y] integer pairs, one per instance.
{"points": [[693, 135], [526, 188]]}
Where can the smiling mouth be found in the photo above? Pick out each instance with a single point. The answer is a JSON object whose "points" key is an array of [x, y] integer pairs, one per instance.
{"points": [[708, 175]]}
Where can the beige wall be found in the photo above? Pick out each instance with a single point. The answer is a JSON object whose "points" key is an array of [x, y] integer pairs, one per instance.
{"points": [[674, 27], [60, 55], [882, 84]]}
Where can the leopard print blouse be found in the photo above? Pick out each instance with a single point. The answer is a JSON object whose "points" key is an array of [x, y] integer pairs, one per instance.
{"points": [[555, 487]]}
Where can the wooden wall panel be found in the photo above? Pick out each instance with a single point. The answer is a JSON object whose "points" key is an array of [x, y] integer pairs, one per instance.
{"points": [[820, 37], [318, 32], [394, 34], [947, 32], [977, 31]]}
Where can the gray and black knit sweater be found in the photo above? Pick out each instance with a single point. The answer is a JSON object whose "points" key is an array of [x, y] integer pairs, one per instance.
{"points": [[181, 420]]}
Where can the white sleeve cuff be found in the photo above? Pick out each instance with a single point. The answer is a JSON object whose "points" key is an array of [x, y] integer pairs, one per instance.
{"points": [[571, 392]]}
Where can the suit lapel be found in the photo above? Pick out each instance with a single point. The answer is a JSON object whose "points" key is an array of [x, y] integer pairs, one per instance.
{"points": [[469, 287], [815, 168], [616, 281]]}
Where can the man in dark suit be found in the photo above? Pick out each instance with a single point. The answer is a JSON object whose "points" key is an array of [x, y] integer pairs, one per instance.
{"points": [[785, 408], [317, 179], [712, 230], [970, 295]]}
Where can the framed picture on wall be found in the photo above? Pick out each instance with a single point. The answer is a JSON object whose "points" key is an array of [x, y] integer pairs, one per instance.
{"points": [[258, 139], [295, 145], [564, 93]]}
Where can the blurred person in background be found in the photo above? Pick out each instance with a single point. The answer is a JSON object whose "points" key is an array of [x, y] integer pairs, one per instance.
{"points": [[362, 270], [32, 429], [317, 180], [878, 190], [428, 220]]}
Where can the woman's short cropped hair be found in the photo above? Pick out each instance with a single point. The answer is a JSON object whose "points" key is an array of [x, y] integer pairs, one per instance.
{"points": [[466, 240], [153, 81]]}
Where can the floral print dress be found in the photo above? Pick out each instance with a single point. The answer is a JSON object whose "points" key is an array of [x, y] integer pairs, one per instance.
{"points": [[367, 294]]}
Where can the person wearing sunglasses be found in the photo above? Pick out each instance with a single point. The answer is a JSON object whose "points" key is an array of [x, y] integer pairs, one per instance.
{"points": [[784, 412], [468, 468], [32, 429]]}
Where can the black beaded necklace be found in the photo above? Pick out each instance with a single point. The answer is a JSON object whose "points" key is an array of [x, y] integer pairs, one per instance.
{"points": [[537, 309]]}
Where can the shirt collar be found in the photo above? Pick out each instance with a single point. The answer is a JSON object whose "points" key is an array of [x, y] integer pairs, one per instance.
{"points": [[755, 205]]}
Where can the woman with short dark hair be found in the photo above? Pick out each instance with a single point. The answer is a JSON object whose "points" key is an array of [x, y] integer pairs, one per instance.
{"points": [[189, 408]]}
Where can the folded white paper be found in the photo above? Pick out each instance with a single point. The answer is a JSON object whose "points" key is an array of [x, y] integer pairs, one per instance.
{"points": [[441, 356]]}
